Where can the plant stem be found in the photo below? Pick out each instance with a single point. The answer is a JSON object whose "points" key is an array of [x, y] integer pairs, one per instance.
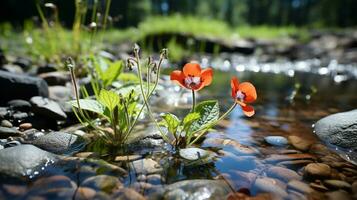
{"points": [[106, 14], [145, 97], [193, 101]]}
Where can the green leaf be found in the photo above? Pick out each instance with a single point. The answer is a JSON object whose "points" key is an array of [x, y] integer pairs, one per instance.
{"points": [[128, 77], [112, 73], [189, 119], [109, 99], [89, 104], [172, 122], [209, 112]]}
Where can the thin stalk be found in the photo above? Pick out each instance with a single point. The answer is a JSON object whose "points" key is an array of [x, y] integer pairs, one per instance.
{"points": [[193, 101], [212, 124], [150, 93], [145, 97], [107, 7]]}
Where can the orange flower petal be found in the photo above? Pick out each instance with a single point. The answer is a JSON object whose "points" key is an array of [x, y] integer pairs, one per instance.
{"points": [[206, 76], [249, 90], [241, 103], [234, 86], [178, 77], [192, 69], [248, 110]]}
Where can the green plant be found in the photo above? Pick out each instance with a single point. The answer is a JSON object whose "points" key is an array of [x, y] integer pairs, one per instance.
{"points": [[117, 108]]}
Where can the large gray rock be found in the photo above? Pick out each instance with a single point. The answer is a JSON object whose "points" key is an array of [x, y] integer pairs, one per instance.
{"points": [[48, 108], [23, 160], [193, 189], [60, 143], [17, 86], [339, 129]]}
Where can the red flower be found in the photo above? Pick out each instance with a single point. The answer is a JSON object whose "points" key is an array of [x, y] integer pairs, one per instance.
{"points": [[244, 93], [192, 77]]}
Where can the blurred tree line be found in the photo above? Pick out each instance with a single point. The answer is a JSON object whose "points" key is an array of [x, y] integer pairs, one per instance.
{"points": [[124, 13]]}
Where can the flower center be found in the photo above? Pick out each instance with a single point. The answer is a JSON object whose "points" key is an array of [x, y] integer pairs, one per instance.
{"points": [[192, 81], [240, 95]]}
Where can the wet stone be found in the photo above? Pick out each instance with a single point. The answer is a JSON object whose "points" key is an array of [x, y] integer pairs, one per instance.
{"points": [[20, 105], [276, 158], [294, 164], [354, 187], [317, 170], [299, 143], [127, 194], [20, 160], [87, 155], [104, 183], [85, 193], [12, 144], [52, 182], [270, 185], [299, 186], [6, 123], [25, 126], [282, 174], [318, 187], [7, 132], [127, 158], [146, 166], [47, 108], [337, 184], [60, 142], [193, 153], [276, 140], [20, 116], [338, 195]]}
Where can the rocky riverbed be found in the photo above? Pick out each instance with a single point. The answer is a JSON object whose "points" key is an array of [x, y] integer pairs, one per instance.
{"points": [[46, 154]]}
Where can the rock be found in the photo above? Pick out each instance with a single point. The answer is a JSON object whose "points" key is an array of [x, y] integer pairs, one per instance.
{"points": [[104, 183], [276, 158], [146, 166], [193, 153], [46, 68], [16, 86], [6, 123], [20, 105], [59, 142], [338, 195], [127, 158], [25, 126], [339, 129], [319, 149], [127, 194], [60, 93], [299, 143], [52, 182], [283, 174], [299, 187], [3, 112], [47, 108], [12, 144], [317, 170], [193, 189], [318, 187], [271, 186], [337, 184], [87, 155], [354, 187], [20, 116], [294, 164], [84, 193], [1, 147], [56, 78], [276, 140], [7, 132], [237, 147], [23, 160], [246, 179]]}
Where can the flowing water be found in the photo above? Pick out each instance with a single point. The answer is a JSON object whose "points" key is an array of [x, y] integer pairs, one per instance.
{"points": [[291, 98]]}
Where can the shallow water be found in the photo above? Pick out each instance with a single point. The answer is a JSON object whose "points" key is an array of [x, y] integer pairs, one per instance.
{"points": [[282, 109]]}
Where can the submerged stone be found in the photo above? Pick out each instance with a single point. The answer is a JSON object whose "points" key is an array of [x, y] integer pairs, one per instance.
{"points": [[60, 142], [276, 140], [23, 160]]}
